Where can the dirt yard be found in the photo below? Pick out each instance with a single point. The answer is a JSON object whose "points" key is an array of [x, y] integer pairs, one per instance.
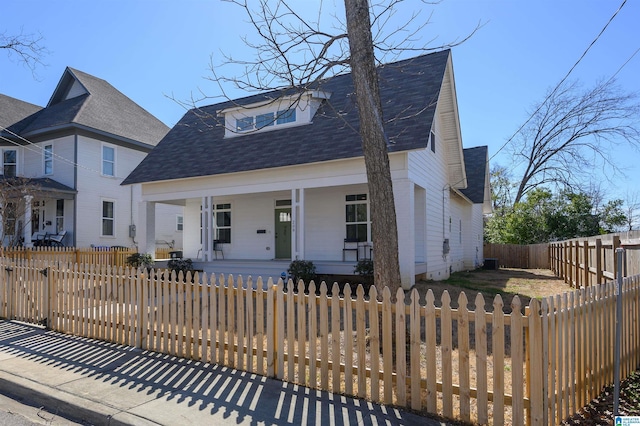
{"points": [[507, 282]]}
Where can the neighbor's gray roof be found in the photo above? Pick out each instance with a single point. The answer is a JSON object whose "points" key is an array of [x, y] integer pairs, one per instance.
{"points": [[475, 163], [15, 114], [102, 109], [196, 145]]}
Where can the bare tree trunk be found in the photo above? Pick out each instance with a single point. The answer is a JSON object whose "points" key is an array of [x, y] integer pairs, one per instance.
{"points": [[384, 230]]}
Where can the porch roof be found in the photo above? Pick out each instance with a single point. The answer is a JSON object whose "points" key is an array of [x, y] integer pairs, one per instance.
{"points": [[45, 187]]}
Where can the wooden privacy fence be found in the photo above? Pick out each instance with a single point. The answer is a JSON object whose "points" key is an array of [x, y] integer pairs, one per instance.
{"points": [[111, 256], [456, 360], [589, 261], [532, 256]]}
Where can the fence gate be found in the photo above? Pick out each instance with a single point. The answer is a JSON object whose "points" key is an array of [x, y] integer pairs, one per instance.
{"points": [[24, 292]]}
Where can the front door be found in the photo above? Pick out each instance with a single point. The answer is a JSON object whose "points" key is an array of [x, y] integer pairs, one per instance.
{"points": [[283, 233]]}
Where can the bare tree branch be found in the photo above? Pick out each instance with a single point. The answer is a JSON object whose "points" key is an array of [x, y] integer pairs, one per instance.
{"points": [[573, 132], [26, 48]]}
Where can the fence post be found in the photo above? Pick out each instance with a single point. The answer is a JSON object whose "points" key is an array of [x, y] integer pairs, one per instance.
{"points": [[616, 356], [537, 372], [50, 297], [586, 263]]}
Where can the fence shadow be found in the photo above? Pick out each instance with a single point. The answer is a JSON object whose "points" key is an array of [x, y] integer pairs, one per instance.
{"points": [[180, 388]]}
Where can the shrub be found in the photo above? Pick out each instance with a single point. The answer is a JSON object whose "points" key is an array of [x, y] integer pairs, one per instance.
{"points": [[364, 268], [303, 270], [140, 260], [178, 265]]}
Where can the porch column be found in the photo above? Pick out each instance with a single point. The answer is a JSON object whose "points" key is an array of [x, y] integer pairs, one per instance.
{"points": [[26, 221], [297, 224], [147, 228], [207, 228], [404, 195]]}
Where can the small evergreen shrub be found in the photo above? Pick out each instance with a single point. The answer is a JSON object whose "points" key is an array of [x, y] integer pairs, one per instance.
{"points": [[178, 265], [303, 270], [364, 268], [140, 260]]}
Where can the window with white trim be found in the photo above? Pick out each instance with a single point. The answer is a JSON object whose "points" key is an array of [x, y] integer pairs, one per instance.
{"points": [[108, 160], [222, 216], [179, 222], [264, 120], [286, 116], [243, 124], [108, 219], [9, 162], [357, 217], [48, 159]]}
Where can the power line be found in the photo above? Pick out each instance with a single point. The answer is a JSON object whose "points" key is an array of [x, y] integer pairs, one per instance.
{"points": [[563, 79], [40, 149]]}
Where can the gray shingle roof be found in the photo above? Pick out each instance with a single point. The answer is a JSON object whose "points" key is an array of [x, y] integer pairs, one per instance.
{"points": [[103, 109], [475, 163], [196, 145], [16, 114]]}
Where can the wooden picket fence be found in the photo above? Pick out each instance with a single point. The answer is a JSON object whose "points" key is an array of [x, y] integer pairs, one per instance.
{"points": [[455, 360], [532, 256], [111, 256], [590, 261]]}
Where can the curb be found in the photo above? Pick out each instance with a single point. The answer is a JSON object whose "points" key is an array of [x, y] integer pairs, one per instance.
{"points": [[69, 406]]}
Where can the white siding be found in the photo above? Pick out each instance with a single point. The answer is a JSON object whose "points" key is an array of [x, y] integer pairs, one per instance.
{"points": [[93, 188]]}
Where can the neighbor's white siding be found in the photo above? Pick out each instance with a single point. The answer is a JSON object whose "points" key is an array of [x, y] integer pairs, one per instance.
{"points": [[93, 188]]}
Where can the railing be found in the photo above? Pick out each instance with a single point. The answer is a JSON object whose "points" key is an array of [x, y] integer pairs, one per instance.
{"points": [[464, 362]]}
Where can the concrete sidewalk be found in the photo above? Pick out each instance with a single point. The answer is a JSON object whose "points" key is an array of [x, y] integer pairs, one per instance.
{"points": [[103, 383]]}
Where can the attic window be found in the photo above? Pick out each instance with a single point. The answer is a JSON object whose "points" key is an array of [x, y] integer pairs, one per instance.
{"points": [[286, 116], [244, 124], [264, 120], [432, 140]]}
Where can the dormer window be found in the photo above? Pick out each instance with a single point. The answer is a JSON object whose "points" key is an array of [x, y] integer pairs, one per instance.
{"points": [[244, 124], [264, 120], [272, 114], [287, 116]]}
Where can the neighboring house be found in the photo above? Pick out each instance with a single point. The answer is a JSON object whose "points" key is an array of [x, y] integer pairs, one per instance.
{"points": [[75, 152], [282, 175]]}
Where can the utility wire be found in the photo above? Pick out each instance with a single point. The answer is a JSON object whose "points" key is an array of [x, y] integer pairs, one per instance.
{"points": [[40, 149], [563, 79]]}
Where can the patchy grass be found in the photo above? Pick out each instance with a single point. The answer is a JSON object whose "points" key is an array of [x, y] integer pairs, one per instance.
{"points": [[508, 282]]}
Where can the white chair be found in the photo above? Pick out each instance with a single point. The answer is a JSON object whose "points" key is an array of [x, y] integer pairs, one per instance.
{"points": [[56, 240]]}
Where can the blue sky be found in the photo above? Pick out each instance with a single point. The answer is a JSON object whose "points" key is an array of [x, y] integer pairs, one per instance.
{"points": [[152, 50]]}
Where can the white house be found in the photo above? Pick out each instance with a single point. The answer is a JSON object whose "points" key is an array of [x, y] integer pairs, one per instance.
{"points": [[75, 153], [281, 175]]}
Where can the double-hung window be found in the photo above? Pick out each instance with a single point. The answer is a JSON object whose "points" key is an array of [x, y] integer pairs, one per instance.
{"points": [[108, 160], [108, 219], [179, 222], [357, 217], [222, 215], [9, 162], [48, 159]]}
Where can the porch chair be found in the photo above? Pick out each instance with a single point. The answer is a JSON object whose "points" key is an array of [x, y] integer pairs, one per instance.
{"points": [[217, 247], [56, 240], [37, 238], [351, 244]]}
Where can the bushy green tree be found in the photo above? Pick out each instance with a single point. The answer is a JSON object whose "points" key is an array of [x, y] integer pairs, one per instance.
{"points": [[543, 216]]}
